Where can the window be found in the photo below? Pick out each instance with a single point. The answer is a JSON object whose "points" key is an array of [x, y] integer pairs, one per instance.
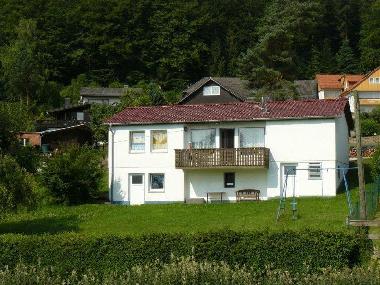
{"points": [[315, 170], [290, 170], [159, 140], [374, 80], [203, 138], [137, 141], [251, 137], [212, 90], [157, 182], [229, 180], [137, 179], [80, 116]]}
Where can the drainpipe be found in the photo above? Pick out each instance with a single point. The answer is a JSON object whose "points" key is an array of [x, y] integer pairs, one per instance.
{"points": [[112, 162]]}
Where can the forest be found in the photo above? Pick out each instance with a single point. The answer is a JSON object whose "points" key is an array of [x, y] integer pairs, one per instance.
{"points": [[50, 48]]}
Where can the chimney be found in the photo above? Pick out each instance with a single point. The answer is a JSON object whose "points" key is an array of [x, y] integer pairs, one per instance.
{"points": [[264, 105]]}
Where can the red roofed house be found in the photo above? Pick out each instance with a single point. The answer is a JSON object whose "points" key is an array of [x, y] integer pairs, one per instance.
{"points": [[202, 152], [332, 85], [368, 88]]}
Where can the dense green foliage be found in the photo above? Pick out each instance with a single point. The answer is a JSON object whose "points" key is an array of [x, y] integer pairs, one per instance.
{"points": [[16, 186], [73, 175], [369, 127], [296, 251], [189, 271], [173, 43]]}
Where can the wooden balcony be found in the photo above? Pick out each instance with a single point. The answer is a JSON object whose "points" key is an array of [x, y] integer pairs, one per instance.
{"points": [[256, 157]]}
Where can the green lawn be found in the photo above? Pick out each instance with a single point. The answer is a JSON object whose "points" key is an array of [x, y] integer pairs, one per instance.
{"points": [[314, 213]]}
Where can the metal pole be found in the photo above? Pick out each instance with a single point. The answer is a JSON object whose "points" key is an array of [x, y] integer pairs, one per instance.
{"points": [[362, 197]]}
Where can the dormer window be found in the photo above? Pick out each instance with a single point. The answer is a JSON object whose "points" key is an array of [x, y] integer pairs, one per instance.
{"points": [[211, 90], [374, 80]]}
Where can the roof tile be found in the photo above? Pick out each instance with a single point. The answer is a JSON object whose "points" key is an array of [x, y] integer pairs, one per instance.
{"points": [[242, 111]]}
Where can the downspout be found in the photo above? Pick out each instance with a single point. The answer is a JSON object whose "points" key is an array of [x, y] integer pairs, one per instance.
{"points": [[112, 162]]}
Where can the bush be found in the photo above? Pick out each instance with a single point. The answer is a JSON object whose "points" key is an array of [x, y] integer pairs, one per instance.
{"points": [[16, 186], [28, 157], [369, 127], [74, 175], [188, 271], [303, 251]]}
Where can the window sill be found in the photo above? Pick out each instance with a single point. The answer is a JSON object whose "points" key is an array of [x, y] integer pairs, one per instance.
{"points": [[156, 191]]}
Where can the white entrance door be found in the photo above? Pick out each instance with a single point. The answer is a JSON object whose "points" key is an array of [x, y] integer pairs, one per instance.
{"points": [[289, 170], [136, 189]]}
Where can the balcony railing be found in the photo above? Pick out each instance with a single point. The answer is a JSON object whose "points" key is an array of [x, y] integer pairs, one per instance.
{"points": [[257, 157]]}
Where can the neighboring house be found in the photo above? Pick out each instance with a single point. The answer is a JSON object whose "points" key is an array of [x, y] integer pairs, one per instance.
{"points": [[216, 90], [66, 116], [329, 85], [66, 125], [368, 88], [165, 154], [99, 95], [51, 139]]}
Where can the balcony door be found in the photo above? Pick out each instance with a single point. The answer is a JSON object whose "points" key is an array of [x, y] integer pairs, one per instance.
{"points": [[227, 138]]}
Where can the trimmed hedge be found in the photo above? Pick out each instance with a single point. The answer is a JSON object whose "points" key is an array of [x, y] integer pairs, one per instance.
{"points": [[303, 251]]}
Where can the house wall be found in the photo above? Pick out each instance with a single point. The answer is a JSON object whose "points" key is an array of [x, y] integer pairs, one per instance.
{"points": [[342, 147], [302, 142], [290, 141], [124, 163], [198, 98], [366, 86], [33, 138], [329, 93], [368, 100]]}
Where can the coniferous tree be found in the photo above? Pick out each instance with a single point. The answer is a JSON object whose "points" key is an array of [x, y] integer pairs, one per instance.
{"points": [[345, 59]]}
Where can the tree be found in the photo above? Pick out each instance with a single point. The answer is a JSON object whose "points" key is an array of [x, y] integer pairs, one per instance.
{"points": [[370, 37], [346, 59], [21, 63], [16, 186], [73, 175]]}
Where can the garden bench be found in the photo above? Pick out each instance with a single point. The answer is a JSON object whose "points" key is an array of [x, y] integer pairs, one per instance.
{"points": [[247, 195]]}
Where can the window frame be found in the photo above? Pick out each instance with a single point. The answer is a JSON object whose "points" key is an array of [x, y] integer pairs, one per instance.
{"points": [[314, 165], [130, 142], [239, 133], [203, 129], [226, 174], [374, 80], [151, 141], [158, 190], [211, 87], [137, 174]]}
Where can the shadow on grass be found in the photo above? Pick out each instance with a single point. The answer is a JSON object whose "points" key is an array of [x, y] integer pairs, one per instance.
{"points": [[49, 225]]}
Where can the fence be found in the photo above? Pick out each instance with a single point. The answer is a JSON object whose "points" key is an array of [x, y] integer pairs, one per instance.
{"points": [[372, 201]]}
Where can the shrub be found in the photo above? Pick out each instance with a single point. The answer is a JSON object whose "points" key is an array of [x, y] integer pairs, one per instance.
{"points": [[369, 127], [74, 175], [28, 157], [16, 186], [189, 271], [303, 251]]}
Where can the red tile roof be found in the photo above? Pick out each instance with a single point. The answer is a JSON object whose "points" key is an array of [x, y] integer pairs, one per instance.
{"points": [[329, 81], [354, 77], [243, 111]]}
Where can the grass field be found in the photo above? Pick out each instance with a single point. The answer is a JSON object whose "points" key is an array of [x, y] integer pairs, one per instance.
{"points": [[314, 213]]}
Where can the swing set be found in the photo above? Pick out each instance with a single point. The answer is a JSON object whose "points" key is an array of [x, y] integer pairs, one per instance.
{"points": [[292, 174]]}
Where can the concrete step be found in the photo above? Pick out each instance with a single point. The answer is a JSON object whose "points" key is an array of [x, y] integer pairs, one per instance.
{"points": [[374, 236], [361, 223], [195, 201]]}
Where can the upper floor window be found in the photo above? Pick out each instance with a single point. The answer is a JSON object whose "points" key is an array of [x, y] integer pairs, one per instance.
{"points": [[211, 90], [374, 80], [251, 137], [203, 138], [159, 140], [137, 141]]}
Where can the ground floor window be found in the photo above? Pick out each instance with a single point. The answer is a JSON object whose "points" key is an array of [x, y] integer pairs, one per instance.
{"points": [[315, 170], [157, 181], [229, 180]]}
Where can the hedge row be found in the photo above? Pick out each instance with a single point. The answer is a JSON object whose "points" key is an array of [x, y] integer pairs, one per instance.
{"points": [[294, 251]]}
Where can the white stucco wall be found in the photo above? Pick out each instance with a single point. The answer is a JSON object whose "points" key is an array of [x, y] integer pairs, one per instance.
{"points": [[329, 93], [301, 142], [126, 163], [297, 142]]}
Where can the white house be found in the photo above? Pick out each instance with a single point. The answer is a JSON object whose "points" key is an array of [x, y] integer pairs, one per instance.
{"points": [[164, 154]]}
